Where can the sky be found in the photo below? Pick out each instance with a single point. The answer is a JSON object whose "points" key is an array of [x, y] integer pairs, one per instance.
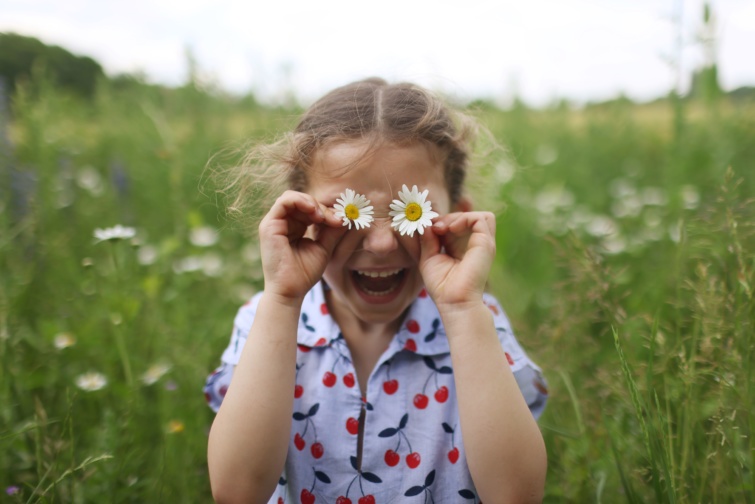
{"points": [[537, 50]]}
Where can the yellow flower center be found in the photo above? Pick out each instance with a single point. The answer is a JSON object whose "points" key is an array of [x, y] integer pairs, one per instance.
{"points": [[351, 212], [413, 211]]}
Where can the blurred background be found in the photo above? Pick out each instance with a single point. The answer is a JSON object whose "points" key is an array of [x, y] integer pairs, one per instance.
{"points": [[624, 195]]}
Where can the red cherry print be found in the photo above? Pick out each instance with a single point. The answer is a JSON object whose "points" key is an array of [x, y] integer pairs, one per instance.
{"points": [[390, 386], [321, 342], [453, 455], [392, 458], [441, 395], [317, 450], [352, 425], [410, 345], [303, 348], [348, 380], [324, 309], [343, 500], [298, 391], [329, 379], [423, 293], [413, 326], [413, 460], [493, 308], [508, 358], [540, 387], [307, 497], [207, 397], [299, 442], [420, 401], [223, 391], [367, 499], [280, 500]]}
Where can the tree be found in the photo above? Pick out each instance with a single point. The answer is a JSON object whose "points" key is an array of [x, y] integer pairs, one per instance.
{"points": [[20, 56]]}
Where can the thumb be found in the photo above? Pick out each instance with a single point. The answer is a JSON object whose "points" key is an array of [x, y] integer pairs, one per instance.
{"points": [[328, 237]]}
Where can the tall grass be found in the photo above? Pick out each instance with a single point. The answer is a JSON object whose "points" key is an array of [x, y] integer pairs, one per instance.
{"points": [[624, 259]]}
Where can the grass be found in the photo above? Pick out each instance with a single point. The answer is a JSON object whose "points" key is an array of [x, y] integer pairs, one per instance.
{"points": [[624, 260]]}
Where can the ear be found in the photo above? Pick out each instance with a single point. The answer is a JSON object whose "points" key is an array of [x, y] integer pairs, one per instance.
{"points": [[463, 205]]}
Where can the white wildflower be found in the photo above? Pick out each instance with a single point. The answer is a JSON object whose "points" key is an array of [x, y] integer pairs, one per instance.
{"points": [[91, 381], [354, 207], [204, 236], [412, 212], [155, 372], [64, 340], [114, 233]]}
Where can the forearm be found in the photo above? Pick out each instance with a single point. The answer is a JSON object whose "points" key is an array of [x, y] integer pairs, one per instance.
{"points": [[504, 447], [250, 435]]}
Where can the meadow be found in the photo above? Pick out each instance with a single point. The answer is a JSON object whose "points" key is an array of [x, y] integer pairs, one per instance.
{"points": [[625, 261]]}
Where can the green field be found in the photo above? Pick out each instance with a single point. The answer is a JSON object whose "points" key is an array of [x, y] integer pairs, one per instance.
{"points": [[625, 261]]}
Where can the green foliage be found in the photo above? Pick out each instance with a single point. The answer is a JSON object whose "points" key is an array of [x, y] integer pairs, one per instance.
{"points": [[21, 57], [624, 261]]}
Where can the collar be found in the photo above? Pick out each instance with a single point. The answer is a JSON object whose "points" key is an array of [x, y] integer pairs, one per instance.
{"points": [[421, 331]]}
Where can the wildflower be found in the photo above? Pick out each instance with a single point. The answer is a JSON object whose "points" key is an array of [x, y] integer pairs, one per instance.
{"points": [[154, 373], [175, 426], [354, 207], [209, 264], [690, 197], [90, 179], [545, 154], [115, 233], [146, 255], [413, 212], [187, 265], [550, 200], [203, 236], [64, 340], [12, 490], [91, 381], [601, 225], [654, 196], [170, 386]]}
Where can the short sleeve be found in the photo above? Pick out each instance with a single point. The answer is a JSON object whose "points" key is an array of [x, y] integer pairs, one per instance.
{"points": [[217, 383], [528, 375]]}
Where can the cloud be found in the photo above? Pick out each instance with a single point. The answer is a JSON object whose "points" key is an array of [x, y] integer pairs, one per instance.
{"points": [[583, 49]]}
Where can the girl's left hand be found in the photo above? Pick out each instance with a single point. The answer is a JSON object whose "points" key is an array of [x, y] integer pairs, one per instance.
{"points": [[456, 256]]}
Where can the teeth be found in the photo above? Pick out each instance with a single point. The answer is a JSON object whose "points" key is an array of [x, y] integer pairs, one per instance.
{"points": [[381, 293], [380, 274]]}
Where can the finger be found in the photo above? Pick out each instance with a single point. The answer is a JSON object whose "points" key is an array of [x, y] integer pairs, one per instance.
{"points": [[298, 206], [472, 222], [330, 218], [429, 244], [329, 236]]}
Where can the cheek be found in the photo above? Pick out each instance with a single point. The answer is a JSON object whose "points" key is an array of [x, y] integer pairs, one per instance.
{"points": [[412, 247]]}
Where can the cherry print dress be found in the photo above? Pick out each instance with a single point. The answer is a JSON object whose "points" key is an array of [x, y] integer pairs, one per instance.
{"points": [[412, 446]]}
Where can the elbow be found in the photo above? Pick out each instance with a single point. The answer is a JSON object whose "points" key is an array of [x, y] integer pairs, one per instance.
{"points": [[228, 493], [230, 487]]}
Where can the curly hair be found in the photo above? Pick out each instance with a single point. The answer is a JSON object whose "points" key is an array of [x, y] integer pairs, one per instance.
{"points": [[369, 110]]}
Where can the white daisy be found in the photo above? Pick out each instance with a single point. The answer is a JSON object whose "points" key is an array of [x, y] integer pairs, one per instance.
{"points": [[412, 212], [91, 381], [115, 233], [64, 340], [155, 372], [354, 207]]}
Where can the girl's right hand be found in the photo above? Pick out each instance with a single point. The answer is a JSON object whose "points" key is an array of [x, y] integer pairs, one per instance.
{"points": [[297, 238]]}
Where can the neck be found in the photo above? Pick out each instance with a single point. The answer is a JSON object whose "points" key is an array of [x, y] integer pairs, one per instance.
{"points": [[358, 332]]}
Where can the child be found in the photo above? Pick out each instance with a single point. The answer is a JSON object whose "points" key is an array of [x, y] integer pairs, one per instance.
{"points": [[373, 368]]}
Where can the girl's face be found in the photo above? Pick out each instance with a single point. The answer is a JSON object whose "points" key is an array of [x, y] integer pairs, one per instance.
{"points": [[373, 273]]}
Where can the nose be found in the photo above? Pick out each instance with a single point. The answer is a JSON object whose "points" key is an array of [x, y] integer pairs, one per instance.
{"points": [[380, 238]]}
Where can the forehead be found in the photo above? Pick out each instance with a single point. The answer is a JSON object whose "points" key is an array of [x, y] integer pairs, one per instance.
{"points": [[376, 172]]}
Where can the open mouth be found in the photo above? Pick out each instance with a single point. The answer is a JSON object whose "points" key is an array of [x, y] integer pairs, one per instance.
{"points": [[378, 283]]}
